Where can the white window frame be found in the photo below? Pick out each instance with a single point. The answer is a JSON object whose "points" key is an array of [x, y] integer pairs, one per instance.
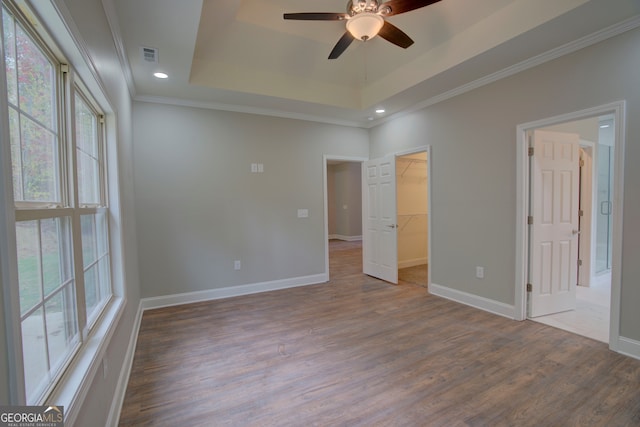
{"points": [[72, 385]]}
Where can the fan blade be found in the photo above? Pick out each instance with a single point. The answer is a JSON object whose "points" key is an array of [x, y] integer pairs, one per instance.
{"points": [[401, 6], [342, 45], [395, 35], [316, 16]]}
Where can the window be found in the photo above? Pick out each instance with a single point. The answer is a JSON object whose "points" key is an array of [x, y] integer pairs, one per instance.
{"points": [[61, 209]]}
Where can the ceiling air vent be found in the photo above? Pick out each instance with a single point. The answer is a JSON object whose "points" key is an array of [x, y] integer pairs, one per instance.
{"points": [[149, 54]]}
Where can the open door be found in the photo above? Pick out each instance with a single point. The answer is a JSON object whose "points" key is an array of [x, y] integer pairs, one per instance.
{"points": [[553, 254], [379, 226]]}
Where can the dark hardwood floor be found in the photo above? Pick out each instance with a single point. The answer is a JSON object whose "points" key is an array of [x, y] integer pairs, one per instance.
{"points": [[360, 352]]}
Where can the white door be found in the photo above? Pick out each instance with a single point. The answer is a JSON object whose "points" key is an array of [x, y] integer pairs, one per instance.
{"points": [[553, 253], [379, 234]]}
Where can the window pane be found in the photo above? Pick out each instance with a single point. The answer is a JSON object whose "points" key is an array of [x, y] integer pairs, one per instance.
{"points": [[87, 149], [34, 353], [10, 56], [61, 326], [102, 233], [28, 265], [36, 80], [105, 279], [39, 163], [95, 254], [56, 256], [91, 292], [87, 224], [16, 154], [31, 85]]}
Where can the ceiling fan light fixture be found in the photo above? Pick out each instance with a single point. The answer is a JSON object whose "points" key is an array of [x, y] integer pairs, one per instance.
{"points": [[365, 26]]}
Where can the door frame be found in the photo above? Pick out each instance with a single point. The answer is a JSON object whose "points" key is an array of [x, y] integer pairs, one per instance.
{"points": [[618, 110], [586, 243], [325, 160], [425, 149]]}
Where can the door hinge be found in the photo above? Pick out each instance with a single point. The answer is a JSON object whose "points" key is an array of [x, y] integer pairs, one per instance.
{"points": [[581, 163], [64, 68], [529, 220], [579, 262], [530, 151], [529, 287]]}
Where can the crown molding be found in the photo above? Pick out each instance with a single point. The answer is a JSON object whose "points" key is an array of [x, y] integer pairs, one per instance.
{"points": [[568, 48], [116, 33], [248, 110], [571, 47]]}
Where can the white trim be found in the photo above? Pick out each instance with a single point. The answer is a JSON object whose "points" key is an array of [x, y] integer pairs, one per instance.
{"points": [[230, 291], [72, 389], [8, 253], [566, 49], [629, 347], [618, 109], [472, 300], [587, 225], [116, 33], [125, 372], [345, 238], [249, 110]]}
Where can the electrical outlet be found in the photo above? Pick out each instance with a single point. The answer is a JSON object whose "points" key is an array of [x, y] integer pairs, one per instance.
{"points": [[480, 272], [237, 265]]}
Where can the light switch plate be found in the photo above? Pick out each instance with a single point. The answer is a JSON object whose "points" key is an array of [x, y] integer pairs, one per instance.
{"points": [[303, 213]]}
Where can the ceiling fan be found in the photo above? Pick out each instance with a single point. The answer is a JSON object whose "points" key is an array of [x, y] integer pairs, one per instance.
{"points": [[366, 19]]}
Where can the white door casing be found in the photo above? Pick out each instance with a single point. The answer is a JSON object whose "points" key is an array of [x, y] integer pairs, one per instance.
{"points": [[379, 234], [553, 254]]}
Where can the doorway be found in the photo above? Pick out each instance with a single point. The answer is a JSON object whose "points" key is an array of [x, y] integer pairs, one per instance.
{"points": [[412, 218], [384, 221], [414, 171], [342, 202], [599, 132]]}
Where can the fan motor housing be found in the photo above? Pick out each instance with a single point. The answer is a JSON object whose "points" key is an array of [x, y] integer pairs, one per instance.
{"points": [[355, 7]]}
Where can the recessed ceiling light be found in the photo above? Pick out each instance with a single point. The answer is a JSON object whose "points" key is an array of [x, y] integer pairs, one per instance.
{"points": [[380, 110], [161, 75]]}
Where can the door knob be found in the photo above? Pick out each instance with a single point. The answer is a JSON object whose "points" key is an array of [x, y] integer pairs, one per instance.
{"points": [[392, 225]]}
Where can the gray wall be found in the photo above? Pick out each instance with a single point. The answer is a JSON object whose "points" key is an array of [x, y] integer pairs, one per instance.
{"points": [[199, 207], [473, 139], [344, 188]]}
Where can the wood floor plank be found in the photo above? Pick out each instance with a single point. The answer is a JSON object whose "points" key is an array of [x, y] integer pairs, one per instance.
{"points": [[360, 352]]}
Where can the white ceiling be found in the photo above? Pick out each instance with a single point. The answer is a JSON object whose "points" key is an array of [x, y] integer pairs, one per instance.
{"points": [[241, 55]]}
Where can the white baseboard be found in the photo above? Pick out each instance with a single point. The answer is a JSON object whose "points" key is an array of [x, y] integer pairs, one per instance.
{"points": [[629, 347], [345, 238], [125, 373], [231, 291], [476, 301], [411, 262]]}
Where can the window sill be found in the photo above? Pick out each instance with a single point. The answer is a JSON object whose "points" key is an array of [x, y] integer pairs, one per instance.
{"points": [[74, 385]]}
